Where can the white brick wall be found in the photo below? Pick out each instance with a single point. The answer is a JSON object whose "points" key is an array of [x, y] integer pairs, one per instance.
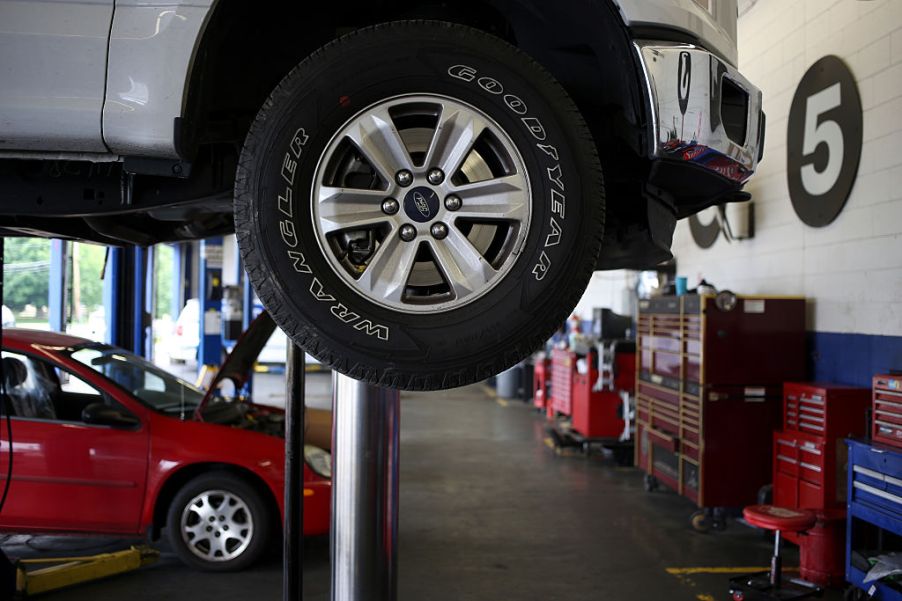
{"points": [[852, 269]]}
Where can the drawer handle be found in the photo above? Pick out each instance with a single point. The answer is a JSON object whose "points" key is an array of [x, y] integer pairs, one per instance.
{"points": [[866, 472], [809, 466], [889, 392], [787, 459], [811, 410], [788, 443], [812, 450], [877, 492]]}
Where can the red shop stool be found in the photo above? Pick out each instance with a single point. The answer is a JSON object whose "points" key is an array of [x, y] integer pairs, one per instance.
{"points": [[770, 585]]}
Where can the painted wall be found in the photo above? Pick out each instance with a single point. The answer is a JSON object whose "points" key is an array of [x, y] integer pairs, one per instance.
{"points": [[852, 269]]}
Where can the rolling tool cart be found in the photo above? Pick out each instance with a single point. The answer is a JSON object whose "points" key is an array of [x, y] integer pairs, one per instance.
{"points": [[874, 525], [810, 470], [541, 380], [708, 394]]}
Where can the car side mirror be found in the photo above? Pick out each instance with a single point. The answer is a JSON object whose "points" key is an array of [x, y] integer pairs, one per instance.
{"points": [[100, 414]]}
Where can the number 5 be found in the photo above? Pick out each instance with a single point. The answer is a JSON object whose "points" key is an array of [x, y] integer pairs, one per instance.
{"points": [[828, 132]]}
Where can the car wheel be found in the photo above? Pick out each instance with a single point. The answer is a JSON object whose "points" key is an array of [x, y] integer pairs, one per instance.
{"points": [[218, 522], [419, 205]]}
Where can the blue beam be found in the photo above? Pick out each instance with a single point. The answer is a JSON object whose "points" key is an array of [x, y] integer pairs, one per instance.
{"points": [[112, 294], [210, 322], [58, 271], [178, 279]]}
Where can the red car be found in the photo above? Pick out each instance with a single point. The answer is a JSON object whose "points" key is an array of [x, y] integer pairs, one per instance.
{"points": [[107, 443]]}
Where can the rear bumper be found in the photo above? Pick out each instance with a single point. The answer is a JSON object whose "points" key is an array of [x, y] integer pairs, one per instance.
{"points": [[702, 110]]}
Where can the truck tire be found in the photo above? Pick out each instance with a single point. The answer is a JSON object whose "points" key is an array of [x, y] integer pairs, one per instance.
{"points": [[419, 205]]}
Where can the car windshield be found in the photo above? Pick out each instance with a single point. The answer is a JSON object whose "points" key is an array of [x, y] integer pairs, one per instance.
{"points": [[158, 389]]}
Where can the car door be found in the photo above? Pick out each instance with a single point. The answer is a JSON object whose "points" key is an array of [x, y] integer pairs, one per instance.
{"points": [[68, 475], [53, 58]]}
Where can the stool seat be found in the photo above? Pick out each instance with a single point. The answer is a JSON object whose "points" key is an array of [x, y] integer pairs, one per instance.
{"points": [[771, 517]]}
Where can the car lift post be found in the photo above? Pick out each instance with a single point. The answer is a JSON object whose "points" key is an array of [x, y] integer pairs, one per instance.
{"points": [[293, 538], [365, 453]]}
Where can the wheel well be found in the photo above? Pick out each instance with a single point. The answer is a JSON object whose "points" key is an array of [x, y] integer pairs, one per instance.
{"points": [[245, 52], [177, 480]]}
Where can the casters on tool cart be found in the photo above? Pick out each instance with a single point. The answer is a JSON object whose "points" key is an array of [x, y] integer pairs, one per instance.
{"points": [[853, 593], [650, 483], [705, 520]]}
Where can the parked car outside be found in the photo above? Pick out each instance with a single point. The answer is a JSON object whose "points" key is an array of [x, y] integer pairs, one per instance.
{"points": [[9, 320], [107, 443]]}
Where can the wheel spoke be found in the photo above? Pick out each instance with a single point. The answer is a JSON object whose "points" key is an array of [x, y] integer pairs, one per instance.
{"points": [[500, 198], [377, 138], [454, 136], [465, 269], [345, 208], [388, 271]]}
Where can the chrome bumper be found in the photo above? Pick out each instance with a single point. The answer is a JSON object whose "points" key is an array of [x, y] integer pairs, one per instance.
{"points": [[702, 110]]}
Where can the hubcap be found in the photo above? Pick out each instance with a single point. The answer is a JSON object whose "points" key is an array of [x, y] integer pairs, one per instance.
{"points": [[463, 208], [217, 525]]}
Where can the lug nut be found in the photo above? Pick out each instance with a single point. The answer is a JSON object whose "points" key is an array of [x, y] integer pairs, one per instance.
{"points": [[404, 178], [435, 176], [390, 206], [453, 202], [438, 230], [407, 232]]}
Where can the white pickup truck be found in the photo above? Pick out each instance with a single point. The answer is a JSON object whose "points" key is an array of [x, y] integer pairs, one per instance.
{"points": [[420, 189]]}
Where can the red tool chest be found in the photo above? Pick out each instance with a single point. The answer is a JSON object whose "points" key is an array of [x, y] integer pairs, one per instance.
{"points": [[709, 390], [600, 413], [827, 410], [563, 369], [810, 459], [887, 410], [540, 381], [809, 472]]}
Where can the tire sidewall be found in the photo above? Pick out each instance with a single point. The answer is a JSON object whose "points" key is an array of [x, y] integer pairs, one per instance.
{"points": [[262, 521], [302, 119]]}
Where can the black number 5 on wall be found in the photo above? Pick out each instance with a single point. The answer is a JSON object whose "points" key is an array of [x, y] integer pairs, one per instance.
{"points": [[823, 141]]}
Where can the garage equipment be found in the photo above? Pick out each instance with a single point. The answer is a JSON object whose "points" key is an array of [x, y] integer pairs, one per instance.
{"points": [[887, 411], [60, 572], [810, 469], [874, 525], [365, 457], [770, 584], [598, 409], [293, 538], [563, 368], [709, 390], [541, 380]]}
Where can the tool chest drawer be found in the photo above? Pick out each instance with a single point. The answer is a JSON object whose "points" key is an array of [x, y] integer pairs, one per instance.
{"points": [[875, 478], [809, 471], [829, 411], [887, 410]]}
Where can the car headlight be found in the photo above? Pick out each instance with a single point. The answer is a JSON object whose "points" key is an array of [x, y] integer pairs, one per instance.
{"points": [[319, 460]]}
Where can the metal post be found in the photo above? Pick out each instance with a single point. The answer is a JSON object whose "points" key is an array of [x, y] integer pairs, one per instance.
{"points": [[57, 301], [293, 537], [365, 452]]}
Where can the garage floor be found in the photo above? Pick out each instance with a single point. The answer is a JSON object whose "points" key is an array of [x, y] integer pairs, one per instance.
{"points": [[488, 511]]}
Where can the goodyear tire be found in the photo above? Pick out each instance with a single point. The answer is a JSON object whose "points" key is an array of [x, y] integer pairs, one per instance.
{"points": [[419, 205]]}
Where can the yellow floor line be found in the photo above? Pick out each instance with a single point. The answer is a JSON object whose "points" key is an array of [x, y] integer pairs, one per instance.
{"points": [[705, 598], [489, 391], [722, 570], [502, 402]]}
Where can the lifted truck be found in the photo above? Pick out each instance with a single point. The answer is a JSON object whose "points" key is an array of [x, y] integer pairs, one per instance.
{"points": [[420, 189]]}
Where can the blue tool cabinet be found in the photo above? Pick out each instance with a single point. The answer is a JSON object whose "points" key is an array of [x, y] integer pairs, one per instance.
{"points": [[874, 504]]}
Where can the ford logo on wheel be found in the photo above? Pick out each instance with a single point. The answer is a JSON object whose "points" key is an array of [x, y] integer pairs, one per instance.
{"points": [[422, 205]]}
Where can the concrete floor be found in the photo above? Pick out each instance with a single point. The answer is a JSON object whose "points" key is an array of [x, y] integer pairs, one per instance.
{"points": [[488, 511]]}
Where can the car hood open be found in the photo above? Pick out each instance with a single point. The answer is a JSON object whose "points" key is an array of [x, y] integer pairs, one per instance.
{"points": [[238, 364]]}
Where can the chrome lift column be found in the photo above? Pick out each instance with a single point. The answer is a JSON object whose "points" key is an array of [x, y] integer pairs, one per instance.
{"points": [[365, 445]]}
